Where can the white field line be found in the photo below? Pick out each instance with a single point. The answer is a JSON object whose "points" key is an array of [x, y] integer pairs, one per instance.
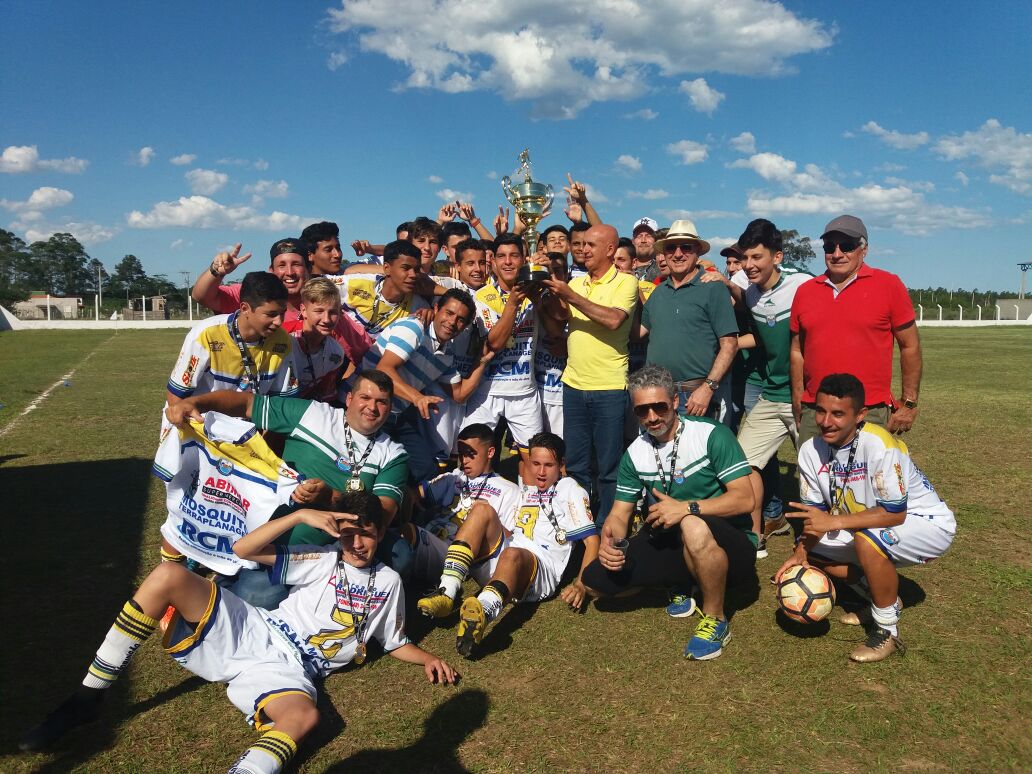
{"points": [[43, 396]]}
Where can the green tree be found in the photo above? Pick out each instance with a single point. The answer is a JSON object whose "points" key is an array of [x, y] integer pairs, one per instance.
{"points": [[59, 266], [98, 275], [14, 262], [797, 250], [129, 276]]}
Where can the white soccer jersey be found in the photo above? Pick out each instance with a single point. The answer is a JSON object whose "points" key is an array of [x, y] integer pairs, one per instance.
{"points": [[568, 503], [318, 372], [882, 473], [451, 495], [328, 599], [222, 481], [548, 370], [511, 371]]}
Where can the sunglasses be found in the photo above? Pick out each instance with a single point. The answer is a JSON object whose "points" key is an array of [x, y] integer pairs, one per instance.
{"points": [[660, 409], [846, 245], [686, 247]]}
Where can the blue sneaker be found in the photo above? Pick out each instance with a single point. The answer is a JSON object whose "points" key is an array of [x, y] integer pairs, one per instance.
{"points": [[711, 635], [682, 603]]}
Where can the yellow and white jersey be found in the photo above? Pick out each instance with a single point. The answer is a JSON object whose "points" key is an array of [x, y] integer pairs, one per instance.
{"points": [[881, 474], [210, 360], [568, 504], [511, 371], [451, 495], [361, 298], [222, 481]]}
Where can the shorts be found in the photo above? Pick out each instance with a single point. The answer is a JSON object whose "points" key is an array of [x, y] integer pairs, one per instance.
{"points": [[522, 412], [657, 559], [763, 430], [545, 581], [915, 541], [552, 414], [232, 644], [444, 427], [430, 550]]}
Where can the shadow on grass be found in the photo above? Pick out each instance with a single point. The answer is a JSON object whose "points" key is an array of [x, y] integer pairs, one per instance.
{"points": [[331, 725], [800, 630], [8, 457], [444, 731], [71, 560], [499, 636]]}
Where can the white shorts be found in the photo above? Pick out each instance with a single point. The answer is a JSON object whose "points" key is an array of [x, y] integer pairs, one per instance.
{"points": [[915, 541], [552, 414], [232, 644], [764, 429], [431, 547], [444, 426], [522, 412], [546, 575]]}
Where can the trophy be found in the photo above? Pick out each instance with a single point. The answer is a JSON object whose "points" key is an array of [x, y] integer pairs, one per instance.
{"points": [[531, 200]]}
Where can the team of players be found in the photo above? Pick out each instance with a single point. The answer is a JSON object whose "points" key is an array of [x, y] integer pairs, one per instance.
{"points": [[402, 348]]}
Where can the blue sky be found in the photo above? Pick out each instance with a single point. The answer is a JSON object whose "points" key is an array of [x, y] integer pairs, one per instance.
{"points": [[172, 130]]}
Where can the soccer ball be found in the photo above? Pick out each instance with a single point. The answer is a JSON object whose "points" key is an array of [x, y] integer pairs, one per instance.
{"points": [[806, 594]]}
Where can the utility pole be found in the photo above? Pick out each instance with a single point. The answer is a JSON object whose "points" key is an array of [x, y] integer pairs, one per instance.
{"points": [[189, 301], [1024, 270]]}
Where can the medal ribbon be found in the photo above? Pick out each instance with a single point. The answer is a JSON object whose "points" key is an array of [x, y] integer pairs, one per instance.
{"points": [[250, 369], [360, 622], [467, 491], [356, 468], [546, 508], [838, 493], [667, 486]]}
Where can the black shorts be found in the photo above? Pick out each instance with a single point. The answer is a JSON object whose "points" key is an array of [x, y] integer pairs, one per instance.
{"points": [[657, 559]]}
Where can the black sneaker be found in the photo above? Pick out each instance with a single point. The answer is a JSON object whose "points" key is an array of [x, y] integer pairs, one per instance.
{"points": [[78, 709]]}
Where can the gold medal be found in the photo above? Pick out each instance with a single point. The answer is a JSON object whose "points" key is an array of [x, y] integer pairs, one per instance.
{"points": [[360, 653], [355, 485], [560, 537]]}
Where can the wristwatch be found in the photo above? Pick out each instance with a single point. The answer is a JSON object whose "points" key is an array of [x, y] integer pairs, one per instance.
{"points": [[907, 403], [694, 509], [713, 384]]}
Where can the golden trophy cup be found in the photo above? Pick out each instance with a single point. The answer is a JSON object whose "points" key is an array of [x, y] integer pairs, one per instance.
{"points": [[530, 200]]}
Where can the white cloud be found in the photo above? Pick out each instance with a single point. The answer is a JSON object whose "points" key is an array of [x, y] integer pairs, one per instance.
{"points": [[260, 164], [691, 152], [895, 139], [435, 179], [627, 163], [563, 57], [45, 198], [202, 212], [267, 189], [812, 191], [88, 233], [645, 114], [143, 156], [206, 181], [889, 167], [997, 148], [448, 195], [964, 179], [594, 195], [20, 159], [703, 97], [492, 175], [744, 143], [176, 244], [918, 185], [336, 59], [649, 195], [183, 159]]}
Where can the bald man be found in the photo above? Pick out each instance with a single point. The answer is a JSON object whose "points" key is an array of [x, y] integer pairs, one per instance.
{"points": [[597, 307]]}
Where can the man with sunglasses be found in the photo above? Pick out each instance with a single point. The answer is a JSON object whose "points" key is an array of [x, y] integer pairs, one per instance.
{"points": [[845, 321], [698, 528]]}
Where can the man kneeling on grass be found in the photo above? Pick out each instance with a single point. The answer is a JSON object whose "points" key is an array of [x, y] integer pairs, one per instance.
{"points": [[868, 510], [342, 598], [552, 514]]}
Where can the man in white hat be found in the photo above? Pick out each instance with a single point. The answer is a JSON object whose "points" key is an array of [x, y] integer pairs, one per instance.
{"points": [[644, 237], [691, 326]]}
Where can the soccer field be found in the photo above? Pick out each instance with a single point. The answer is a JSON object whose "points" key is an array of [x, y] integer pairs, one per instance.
{"points": [[551, 690]]}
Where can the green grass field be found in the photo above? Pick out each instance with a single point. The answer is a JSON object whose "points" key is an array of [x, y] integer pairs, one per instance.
{"points": [[553, 690]]}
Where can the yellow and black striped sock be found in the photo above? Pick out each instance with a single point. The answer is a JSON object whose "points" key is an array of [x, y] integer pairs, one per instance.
{"points": [[266, 756], [132, 626], [457, 562], [172, 556]]}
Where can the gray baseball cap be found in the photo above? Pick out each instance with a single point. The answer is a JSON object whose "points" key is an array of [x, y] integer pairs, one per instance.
{"points": [[850, 225]]}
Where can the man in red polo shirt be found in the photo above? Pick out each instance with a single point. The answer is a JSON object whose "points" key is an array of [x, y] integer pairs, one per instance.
{"points": [[845, 321]]}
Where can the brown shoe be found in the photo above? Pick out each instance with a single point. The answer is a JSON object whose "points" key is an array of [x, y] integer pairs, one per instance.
{"points": [[862, 617], [880, 644]]}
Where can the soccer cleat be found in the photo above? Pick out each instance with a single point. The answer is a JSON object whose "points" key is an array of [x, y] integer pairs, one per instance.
{"points": [[436, 605], [880, 644], [776, 526], [682, 603], [761, 548], [78, 709], [472, 623], [862, 617], [711, 635]]}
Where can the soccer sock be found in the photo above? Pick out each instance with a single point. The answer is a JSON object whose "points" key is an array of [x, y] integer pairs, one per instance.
{"points": [[266, 756], [172, 556], [457, 562], [131, 628], [492, 599], [886, 617]]}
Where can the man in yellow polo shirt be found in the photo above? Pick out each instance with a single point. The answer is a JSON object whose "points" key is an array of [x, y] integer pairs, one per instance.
{"points": [[598, 307]]}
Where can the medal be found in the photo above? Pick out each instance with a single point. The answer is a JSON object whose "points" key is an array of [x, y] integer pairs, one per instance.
{"points": [[360, 619], [353, 469], [560, 537], [360, 653], [355, 485]]}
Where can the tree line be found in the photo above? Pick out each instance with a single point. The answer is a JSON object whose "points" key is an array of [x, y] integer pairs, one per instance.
{"points": [[61, 266]]}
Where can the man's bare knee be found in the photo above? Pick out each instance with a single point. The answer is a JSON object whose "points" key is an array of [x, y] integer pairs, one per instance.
{"points": [[696, 536]]}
